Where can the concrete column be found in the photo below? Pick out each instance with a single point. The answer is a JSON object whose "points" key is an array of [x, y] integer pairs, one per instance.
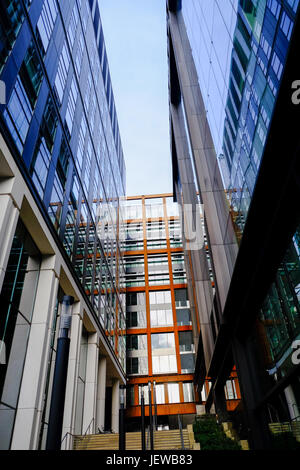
{"points": [[291, 402], [28, 416], [73, 366], [90, 394], [115, 406], [9, 215], [18, 348], [100, 422]]}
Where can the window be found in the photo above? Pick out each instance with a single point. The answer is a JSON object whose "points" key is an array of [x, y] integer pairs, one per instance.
{"points": [[79, 54], [31, 74], [46, 23], [81, 142], [133, 210], [56, 202], [73, 26], [164, 364], [135, 310], [181, 298], [163, 341], [154, 208], [188, 392], [293, 4], [187, 363], [134, 232], [159, 394], [175, 234], [172, 207], [135, 298], [49, 124], [178, 268], [183, 316], [161, 318], [136, 342], [277, 65], [40, 165], [87, 168], [286, 24], [186, 341], [274, 7], [137, 365], [134, 264], [173, 392], [62, 72], [136, 319], [159, 279], [230, 390], [267, 48], [18, 114], [71, 105], [88, 91], [159, 297], [187, 349]]}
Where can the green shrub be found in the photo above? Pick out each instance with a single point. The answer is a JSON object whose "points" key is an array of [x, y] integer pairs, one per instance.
{"points": [[285, 441], [211, 436]]}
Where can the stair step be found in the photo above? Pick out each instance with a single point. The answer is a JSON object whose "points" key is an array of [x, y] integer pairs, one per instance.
{"points": [[163, 440]]}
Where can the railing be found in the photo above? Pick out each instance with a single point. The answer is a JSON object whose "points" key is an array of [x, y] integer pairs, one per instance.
{"points": [[69, 436], [181, 432], [148, 439], [88, 428]]}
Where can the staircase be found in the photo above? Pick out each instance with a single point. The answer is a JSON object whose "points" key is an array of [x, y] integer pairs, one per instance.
{"points": [[294, 427], [163, 440]]}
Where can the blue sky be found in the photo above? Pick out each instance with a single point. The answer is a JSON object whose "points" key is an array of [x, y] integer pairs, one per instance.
{"points": [[135, 37]]}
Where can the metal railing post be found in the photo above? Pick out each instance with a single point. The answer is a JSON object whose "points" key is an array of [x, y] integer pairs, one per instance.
{"points": [[143, 433], [181, 433], [150, 416], [155, 406]]}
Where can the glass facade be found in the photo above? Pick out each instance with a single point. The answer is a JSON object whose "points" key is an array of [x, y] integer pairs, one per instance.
{"points": [[60, 122], [258, 50], [240, 50]]}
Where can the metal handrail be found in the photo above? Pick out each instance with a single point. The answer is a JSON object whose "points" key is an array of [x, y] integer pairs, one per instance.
{"points": [[148, 438], [76, 435], [181, 432], [70, 434], [91, 422], [67, 434]]}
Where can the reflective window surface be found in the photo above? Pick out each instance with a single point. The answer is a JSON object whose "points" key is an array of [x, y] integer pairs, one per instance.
{"points": [[210, 27], [173, 393], [61, 121]]}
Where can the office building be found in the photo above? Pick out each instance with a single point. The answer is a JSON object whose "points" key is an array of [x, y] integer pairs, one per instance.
{"points": [[161, 322], [62, 175], [231, 69]]}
